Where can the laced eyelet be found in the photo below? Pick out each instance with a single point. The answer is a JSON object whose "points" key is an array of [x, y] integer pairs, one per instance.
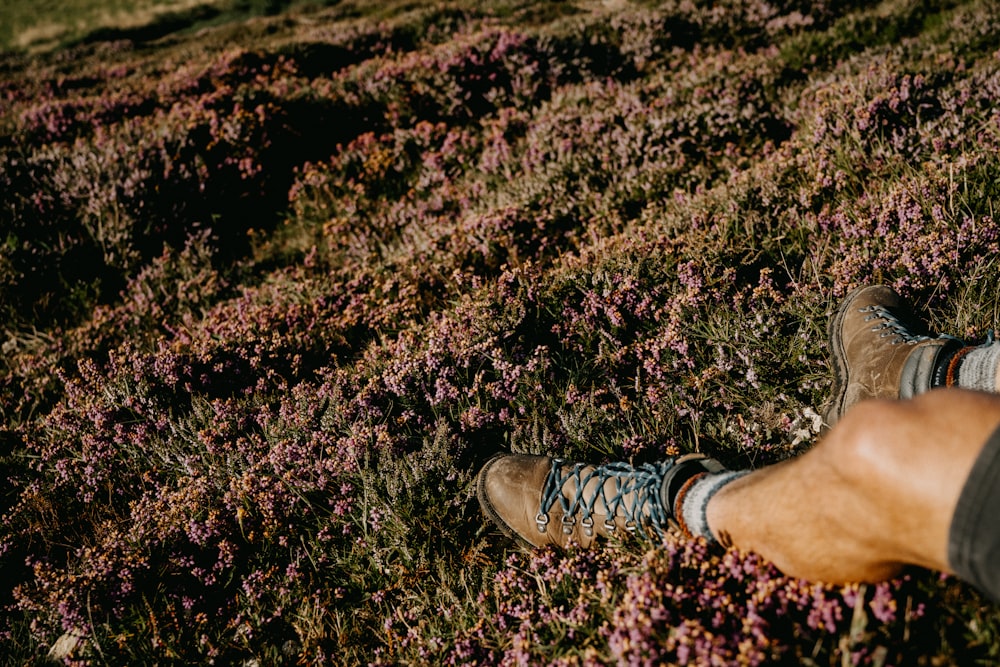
{"points": [[617, 492], [890, 326]]}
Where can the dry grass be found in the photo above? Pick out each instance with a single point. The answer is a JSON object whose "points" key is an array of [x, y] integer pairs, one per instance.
{"points": [[27, 29]]}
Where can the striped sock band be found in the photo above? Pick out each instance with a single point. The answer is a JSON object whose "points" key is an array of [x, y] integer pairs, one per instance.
{"points": [[977, 368], [691, 505]]}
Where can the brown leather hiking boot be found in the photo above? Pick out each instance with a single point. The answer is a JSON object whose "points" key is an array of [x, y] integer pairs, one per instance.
{"points": [[538, 500], [878, 352]]}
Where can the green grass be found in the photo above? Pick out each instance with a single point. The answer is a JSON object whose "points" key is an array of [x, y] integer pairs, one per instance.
{"points": [[49, 24], [45, 24]]}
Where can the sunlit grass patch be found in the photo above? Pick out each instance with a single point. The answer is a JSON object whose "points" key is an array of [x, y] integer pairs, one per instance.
{"points": [[32, 25]]}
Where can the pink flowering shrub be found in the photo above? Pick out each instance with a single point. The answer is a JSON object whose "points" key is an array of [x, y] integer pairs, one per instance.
{"points": [[273, 291], [545, 602]]}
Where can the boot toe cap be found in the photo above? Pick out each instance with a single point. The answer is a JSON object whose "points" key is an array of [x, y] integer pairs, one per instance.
{"points": [[509, 489]]}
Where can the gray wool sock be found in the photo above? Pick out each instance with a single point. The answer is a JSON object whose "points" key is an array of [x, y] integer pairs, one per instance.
{"points": [[978, 368], [692, 502]]}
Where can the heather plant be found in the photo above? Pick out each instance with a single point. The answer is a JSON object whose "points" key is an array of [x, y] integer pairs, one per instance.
{"points": [[273, 291], [661, 620]]}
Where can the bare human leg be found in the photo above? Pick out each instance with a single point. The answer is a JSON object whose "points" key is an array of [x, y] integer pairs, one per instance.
{"points": [[877, 493]]}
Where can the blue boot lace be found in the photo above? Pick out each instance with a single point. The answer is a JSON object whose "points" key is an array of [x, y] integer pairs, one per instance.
{"points": [[890, 326], [641, 484]]}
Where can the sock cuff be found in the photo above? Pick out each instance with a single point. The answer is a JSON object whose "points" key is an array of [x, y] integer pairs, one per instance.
{"points": [[679, 503], [977, 368], [691, 507], [951, 368]]}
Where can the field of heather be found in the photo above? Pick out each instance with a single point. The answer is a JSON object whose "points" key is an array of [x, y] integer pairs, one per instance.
{"points": [[276, 278]]}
